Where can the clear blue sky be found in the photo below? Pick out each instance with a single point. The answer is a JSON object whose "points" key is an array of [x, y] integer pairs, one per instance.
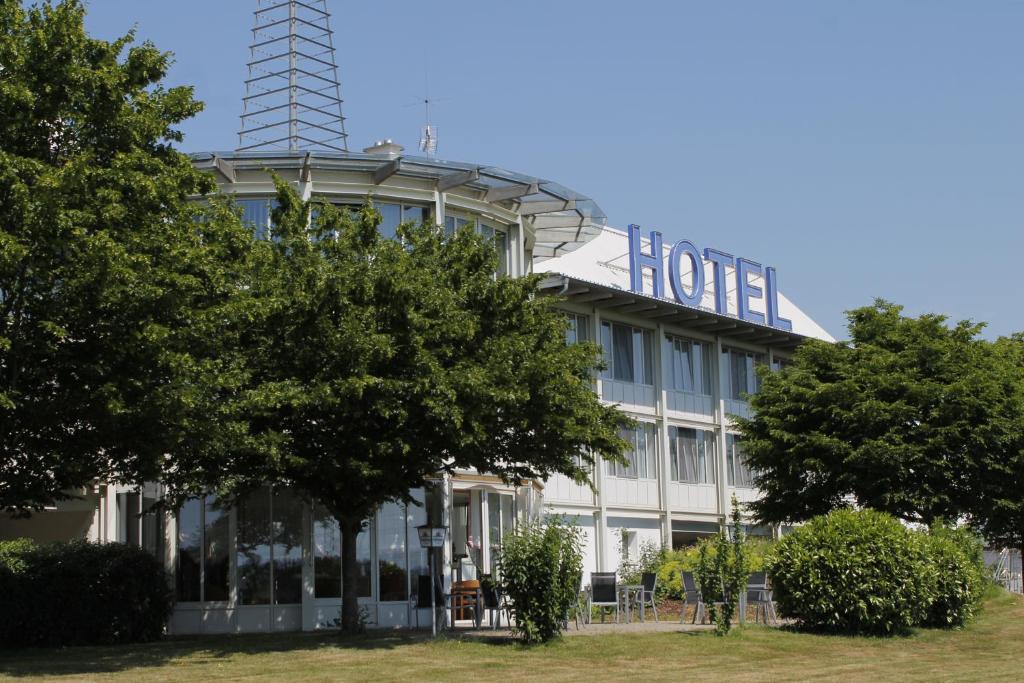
{"points": [[865, 149]]}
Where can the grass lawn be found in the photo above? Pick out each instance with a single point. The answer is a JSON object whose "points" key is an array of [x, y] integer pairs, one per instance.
{"points": [[991, 648]]}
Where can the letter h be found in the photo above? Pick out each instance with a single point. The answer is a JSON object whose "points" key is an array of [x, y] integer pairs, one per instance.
{"points": [[638, 260]]}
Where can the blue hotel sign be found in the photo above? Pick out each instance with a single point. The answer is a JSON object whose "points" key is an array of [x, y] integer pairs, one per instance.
{"points": [[692, 292]]}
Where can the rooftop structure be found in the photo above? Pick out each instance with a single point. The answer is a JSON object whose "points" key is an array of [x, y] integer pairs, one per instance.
{"points": [[293, 94]]}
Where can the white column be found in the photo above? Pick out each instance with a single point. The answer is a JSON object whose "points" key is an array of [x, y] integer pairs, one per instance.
{"points": [[664, 466], [723, 501], [601, 517]]}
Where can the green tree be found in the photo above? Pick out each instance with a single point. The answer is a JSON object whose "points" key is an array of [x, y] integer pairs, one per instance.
{"points": [[376, 363], [111, 291], [901, 418], [998, 494]]}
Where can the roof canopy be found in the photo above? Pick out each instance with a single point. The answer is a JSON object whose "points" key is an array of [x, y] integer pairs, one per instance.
{"points": [[560, 219]]}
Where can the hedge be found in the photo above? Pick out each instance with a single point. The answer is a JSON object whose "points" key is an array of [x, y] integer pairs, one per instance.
{"points": [[80, 593], [864, 572]]}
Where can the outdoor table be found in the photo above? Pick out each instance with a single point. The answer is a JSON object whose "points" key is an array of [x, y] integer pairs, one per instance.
{"points": [[634, 591]]}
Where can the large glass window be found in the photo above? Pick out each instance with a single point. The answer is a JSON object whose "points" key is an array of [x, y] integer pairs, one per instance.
{"points": [[391, 538], [216, 551], [253, 549], [500, 521], [578, 329], [641, 459], [629, 353], [190, 551], [327, 556], [256, 215], [287, 548], [152, 521], [689, 366], [741, 375], [419, 561], [692, 455], [740, 473]]}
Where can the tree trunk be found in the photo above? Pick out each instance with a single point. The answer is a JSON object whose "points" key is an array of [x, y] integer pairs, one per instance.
{"points": [[350, 528]]}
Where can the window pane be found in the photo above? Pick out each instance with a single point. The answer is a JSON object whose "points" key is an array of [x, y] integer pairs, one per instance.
{"points": [[152, 524], [606, 348], [622, 349], [190, 554], [494, 527], [326, 554], [648, 357], [501, 244], [253, 549], [391, 536], [414, 214], [391, 217], [419, 563], [256, 215], [287, 547], [216, 549]]}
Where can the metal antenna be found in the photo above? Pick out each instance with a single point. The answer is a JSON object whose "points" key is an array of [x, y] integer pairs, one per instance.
{"points": [[293, 94]]}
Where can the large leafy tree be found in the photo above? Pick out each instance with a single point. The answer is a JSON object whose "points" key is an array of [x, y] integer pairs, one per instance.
{"points": [[903, 418], [997, 506], [377, 363], [111, 292]]}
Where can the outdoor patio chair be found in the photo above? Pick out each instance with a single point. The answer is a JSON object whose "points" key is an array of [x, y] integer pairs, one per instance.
{"points": [[692, 596], [465, 596], [604, 593], [759, 594], [650, 585]]}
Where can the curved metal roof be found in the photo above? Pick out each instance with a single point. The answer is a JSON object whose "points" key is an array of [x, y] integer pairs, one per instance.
{"points": [[560, 219]]}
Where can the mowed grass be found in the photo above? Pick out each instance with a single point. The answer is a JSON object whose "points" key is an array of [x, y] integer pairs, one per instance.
{"points": [[992, 648]]}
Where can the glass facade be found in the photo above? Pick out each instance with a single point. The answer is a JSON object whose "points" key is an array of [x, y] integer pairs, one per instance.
{"points": [[629, 353], [692, 455], [253, 554], [327, 557], [641, 459]]}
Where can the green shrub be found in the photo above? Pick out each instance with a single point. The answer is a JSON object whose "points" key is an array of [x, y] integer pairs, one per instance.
{"points": [[675, 562], [858, 572], [651, 557], [81, 593], [960, 578], [540, 566]]}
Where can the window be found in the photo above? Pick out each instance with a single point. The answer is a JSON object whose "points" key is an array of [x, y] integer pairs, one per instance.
{"points": [[286, 552], [780, 363], [499, 523], [269, 548], [489, 232], [391, 539], [216, 551], [253, 549], [256, 215], [393, 215], [740, 474], [741, 375], [689, 365], [629, 353], [641, 459], [190, 558], [578, 330], [692, 455], [327, 556]]}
